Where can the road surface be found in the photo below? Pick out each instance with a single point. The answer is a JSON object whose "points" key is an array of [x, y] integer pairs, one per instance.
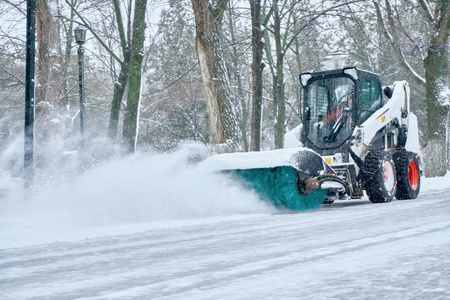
{"points": [[348, 250]]}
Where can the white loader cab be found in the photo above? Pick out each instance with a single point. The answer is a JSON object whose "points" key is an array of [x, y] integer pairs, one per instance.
{"points": [[370, 143]]}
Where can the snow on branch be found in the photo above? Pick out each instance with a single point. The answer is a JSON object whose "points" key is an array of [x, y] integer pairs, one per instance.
{"points": [[427, 10], [398, 53]]}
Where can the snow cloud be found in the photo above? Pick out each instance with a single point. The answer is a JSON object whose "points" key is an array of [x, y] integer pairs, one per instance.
{"points": [[139, 188]]}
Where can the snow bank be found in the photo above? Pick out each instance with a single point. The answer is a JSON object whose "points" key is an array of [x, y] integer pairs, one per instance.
{"points": [[252, 160], [435, 183], [140, 188]]}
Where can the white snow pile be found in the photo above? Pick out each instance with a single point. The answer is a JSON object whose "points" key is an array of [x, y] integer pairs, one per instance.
{"points": [[138, 189], [435, 183], [251, 160]]}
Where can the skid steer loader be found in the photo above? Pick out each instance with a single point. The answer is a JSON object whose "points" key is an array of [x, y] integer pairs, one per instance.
{"points": [[351, 140]]}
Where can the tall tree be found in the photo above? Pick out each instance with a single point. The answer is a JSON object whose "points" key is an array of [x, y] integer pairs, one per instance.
{"points": [[67, 28], [435, 63], [437, 79], [284, 28], [120, 84], [280, 22], [278, 82], [174, 106], [257, 75], [49, 106], [130, 122], [132, 46], [237, 58], [208, 20]]}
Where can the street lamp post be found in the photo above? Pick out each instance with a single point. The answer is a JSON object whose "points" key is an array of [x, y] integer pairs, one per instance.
{"points": [[80, 38], [28, 159]]}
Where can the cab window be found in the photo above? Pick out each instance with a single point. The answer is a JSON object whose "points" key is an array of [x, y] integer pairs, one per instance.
{"points": [[371, 98]]}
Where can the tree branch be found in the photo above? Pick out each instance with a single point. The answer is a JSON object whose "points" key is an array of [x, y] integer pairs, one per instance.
{"points": [[288, 45], [174, 81], [14, 76], [85, 24], [16, 6], [399, 55], [426, 9], [123, 40]]}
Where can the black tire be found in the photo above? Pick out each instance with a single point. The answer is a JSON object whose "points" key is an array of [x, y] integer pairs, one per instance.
{"points": [[379, 176], [408, 175]]}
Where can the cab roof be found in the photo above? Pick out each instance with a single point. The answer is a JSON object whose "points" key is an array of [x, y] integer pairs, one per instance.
{"points": [[351, 72]]}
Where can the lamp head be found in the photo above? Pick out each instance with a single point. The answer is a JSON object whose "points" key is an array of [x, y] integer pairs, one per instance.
{"points": [[80, 35]]}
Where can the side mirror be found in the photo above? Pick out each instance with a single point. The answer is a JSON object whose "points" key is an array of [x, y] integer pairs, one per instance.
{"points": [[388, 92]]}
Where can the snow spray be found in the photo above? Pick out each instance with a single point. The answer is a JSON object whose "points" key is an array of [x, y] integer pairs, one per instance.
{"points": [[138, 188]]}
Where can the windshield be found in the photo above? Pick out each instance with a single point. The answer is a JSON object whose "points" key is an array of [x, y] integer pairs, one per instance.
{"points": [[328, 107]]}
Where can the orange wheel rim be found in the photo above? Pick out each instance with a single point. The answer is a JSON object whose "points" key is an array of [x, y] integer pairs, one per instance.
{"points": [[413, 175]]}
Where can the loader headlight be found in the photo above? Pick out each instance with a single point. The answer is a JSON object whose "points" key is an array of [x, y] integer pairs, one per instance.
{"points": [[304, 78], [353, 72]]}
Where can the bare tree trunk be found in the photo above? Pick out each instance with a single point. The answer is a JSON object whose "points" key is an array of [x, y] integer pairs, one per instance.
{"points": [[257, 72], [119, 86], [119, 91], [224, 126], [436, 75], [65, 59], [49, 106], [276, 64], [236, 62], [278, 84], [130, 122]]}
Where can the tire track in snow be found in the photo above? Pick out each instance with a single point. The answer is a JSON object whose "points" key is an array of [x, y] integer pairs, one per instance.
{"points": [[267, 263], [123, 243], [73, 249], [231, 270], [284, 256], [95, 252], [119, 269]]}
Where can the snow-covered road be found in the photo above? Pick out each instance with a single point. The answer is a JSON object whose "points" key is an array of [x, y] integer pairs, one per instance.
{"points": [[348, 250]]}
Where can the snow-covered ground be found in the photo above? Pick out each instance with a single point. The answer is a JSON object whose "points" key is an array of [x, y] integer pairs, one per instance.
{"points": [[157, 228]]}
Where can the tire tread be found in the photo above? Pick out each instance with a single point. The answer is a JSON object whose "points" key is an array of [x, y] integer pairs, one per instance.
{"points": [[402, 160], [373, 177]]}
